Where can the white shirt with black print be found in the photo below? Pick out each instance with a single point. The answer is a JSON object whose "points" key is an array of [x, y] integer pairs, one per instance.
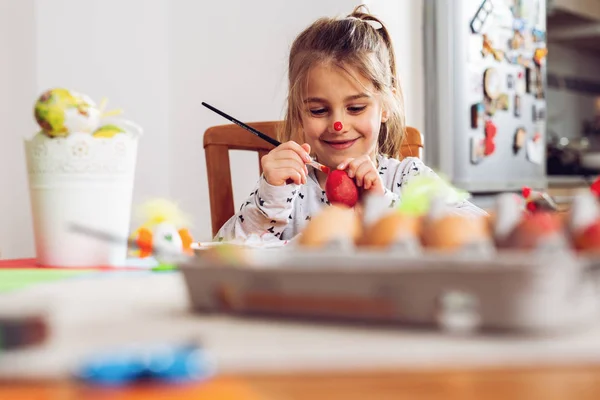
{"points": [[281, 212]]}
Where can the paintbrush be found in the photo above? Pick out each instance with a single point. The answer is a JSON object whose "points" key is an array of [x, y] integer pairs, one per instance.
{"points": [[261, 135]]}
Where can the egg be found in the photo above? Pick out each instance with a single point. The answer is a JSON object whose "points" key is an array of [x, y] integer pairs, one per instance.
{"points": [[584, 222], [108, 131], [392, 229], [541, 229], [453, 232], [333, 224], [444, 229], [509, 210], [60, 111], [341, 189]]}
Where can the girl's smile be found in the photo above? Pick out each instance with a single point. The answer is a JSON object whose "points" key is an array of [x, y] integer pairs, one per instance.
{"points": [[340, 144]]}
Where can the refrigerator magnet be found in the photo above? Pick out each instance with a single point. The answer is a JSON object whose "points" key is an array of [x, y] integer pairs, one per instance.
{"points": [[517, 106], [520, 86], [491, 83], [517, 40], [538, 35], [477, 150], [539, 55], [530, 79], [490, 129], [488, 48], [490, 107], [519, 140], [477, 113], [502, 102], [540, 112], [535, 149], [489, 146], [481, 16], [510, 81]]}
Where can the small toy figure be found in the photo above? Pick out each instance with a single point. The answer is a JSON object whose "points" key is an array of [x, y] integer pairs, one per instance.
{"points": [[165, 229]]}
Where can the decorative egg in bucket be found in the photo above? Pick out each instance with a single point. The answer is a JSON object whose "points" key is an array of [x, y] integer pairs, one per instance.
{"points": [[81, 169], [60, 111]]}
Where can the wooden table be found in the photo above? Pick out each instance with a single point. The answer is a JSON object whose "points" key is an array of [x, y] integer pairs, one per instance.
{"points": [[577, 382]]}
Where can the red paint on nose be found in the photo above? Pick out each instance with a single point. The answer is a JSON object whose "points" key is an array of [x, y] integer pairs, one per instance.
{"points": [[338, 126]]}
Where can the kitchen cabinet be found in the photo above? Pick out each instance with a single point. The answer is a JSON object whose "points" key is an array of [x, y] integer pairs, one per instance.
{"points": [[575, 23]]}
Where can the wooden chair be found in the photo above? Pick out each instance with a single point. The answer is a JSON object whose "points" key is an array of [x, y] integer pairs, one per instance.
{"points": [[218, 140]]}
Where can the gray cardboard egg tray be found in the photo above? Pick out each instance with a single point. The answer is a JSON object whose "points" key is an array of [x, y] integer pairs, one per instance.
{"points": [[523, 292]]}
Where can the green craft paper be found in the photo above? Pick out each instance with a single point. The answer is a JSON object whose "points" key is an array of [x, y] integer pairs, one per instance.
{"points": [[19, 278]]}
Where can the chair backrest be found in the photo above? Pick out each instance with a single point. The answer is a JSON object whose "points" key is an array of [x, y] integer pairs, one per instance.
{"points": [[218, 140]]}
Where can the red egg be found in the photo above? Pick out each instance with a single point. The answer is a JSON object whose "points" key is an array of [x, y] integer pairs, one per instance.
{"points": [[341, 189]]}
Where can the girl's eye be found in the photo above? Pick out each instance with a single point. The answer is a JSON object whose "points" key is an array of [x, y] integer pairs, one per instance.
{"points": [[356, 109], [318, 111]]}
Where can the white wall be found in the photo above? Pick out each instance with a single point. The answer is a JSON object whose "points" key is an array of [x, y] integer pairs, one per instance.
{"points": [[404, 20], [117, 49], [158, 60], [17, 92]]}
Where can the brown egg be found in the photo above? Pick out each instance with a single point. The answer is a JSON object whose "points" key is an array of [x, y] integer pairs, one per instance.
{"points": [[390, 228], [451, 232], [331, 224]]}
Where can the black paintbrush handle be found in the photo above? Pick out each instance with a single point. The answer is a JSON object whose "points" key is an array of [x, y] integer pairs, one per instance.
{"points": [[243, 125]]}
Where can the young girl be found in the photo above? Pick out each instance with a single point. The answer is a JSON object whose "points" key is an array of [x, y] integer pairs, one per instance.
{"points": [[346, 107]]}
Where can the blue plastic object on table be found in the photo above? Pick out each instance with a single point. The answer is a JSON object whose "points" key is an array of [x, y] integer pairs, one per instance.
{"points": [[166, 363]]}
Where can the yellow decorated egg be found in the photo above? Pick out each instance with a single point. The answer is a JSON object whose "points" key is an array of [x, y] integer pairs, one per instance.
{"points": [[60, 111], [108, 131]]}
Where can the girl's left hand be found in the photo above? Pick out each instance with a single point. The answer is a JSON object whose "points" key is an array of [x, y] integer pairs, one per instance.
{"points": [[364, 172]]}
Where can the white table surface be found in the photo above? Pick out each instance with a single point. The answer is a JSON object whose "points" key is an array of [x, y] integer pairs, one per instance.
{"points": [[104, 310]]}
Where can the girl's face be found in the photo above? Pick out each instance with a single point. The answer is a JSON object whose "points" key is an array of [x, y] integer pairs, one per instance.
{"points": [[334, 95]]}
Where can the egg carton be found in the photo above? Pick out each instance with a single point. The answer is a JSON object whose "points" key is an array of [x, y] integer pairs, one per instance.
{"points": [[540, 292]]}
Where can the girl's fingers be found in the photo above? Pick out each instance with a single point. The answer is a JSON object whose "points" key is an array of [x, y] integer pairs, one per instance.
{"points": [[370, 179], [285, 174], [344, 164], [296, 148], [361, 171], [356, 163]]}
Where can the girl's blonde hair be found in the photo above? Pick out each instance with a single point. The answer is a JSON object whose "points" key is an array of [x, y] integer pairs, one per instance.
{"points": [[354, 42]]}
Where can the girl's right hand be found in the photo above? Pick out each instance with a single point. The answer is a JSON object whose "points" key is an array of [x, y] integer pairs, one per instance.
{"points": [[286, 163]]}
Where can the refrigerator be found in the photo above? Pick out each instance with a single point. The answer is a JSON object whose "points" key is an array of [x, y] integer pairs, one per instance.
{"points": [[485, 86]]}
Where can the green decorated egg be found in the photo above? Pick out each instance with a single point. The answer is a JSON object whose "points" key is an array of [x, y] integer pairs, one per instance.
{"points": [[60, 112]]}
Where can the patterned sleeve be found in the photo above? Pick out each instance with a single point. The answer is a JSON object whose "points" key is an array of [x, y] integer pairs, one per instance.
{"points": [[266, 210], [415, 167]]}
